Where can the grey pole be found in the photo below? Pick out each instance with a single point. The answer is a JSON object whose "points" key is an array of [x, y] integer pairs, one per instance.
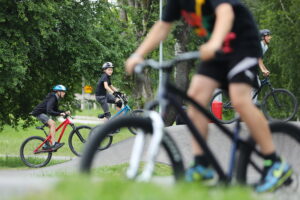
{"points": [[161, 76]]}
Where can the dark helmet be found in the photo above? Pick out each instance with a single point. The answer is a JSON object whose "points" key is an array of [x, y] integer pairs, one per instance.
{"points": [[59, 88], [264, 32], [107, 65]]}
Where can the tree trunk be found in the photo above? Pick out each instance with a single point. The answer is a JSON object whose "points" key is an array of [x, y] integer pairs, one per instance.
{"points": [[142, 91], [181, 71]]}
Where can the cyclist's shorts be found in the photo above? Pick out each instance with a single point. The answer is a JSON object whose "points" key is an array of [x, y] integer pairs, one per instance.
{"points": [[103, 100], [231, 69], [43, 118]]}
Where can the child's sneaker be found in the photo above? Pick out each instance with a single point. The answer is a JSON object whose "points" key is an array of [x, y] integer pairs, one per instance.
{"points": [[47, 147], [199, 173], [276, 176]]}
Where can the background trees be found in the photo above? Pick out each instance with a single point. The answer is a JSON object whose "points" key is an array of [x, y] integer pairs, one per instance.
{"points": [[282, 58], [45, 42]]}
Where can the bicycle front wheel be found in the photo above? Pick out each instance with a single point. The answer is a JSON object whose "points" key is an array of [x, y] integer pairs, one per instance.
{"points": [[78, 138], [31, 158], [286, 138], [116, 158], [135, 113], [228, 114], [279, 104]]}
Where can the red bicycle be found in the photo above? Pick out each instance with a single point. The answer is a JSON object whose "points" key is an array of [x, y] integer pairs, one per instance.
{"points": [[34, 155]]}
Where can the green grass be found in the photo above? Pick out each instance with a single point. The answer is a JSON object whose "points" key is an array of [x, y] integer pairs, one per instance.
{"points": [[93, 112], [8, 162], [120, 170], [80, 187], [90, 113], [11, 139]]}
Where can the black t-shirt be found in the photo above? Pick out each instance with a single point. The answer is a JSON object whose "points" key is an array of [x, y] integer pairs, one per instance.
{"points": [[48, 106], [243, 38], [101, 91]]}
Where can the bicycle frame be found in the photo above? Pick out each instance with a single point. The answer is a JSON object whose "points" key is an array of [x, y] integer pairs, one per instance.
{"points": [[124, 110], [167, 93], [63, 125], [264, 82]]}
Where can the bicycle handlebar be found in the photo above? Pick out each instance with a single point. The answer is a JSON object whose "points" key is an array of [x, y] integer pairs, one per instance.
{"points": [[168, 63], [66, 116]]}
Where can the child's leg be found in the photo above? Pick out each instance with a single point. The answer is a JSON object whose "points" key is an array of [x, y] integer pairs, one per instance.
{"points": [[240, 94], [201, 89], [52, 127], [113, 100], [103, 102]]}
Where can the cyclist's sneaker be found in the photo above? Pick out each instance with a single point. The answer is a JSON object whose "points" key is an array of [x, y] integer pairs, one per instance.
{"points": [[199, 173], [57, 146], [48, 147], [276, 176], [52, 147], [101, 116]]}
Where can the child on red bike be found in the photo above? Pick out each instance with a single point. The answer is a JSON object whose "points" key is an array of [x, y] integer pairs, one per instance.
{"points": [[47, 108]]}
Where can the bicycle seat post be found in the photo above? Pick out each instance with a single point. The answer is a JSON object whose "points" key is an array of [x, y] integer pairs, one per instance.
{"points": [[234, 147]]}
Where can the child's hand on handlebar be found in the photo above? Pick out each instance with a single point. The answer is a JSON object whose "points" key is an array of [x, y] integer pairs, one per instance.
{"points": [[68, 112], [131, 62]]}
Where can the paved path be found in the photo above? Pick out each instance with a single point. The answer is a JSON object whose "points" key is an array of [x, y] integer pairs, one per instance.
{"points": [[20, 182], [84, 120]]}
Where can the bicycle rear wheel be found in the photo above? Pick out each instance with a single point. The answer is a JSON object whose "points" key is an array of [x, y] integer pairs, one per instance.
{"points": [[29, 157], [78, 138], [118, 155], [286, 138], [229, 115], [280, 104]]}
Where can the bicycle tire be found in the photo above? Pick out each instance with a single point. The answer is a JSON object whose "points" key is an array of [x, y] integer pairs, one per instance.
{"points": [[135, 113], [78, 138], [34, 160], [286, 138], [168, 144], [283, 108], [228, 113]]}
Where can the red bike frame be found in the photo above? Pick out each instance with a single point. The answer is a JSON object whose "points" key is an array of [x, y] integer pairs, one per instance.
{"points": [[64, 124]]}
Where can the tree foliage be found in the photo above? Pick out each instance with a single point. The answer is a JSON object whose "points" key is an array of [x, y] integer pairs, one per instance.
{"points": [[282, 58], [49, 42], [44, 43]]}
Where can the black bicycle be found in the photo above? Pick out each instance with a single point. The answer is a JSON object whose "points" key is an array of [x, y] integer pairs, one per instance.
{"points": [[277, 104], [245, 163]]}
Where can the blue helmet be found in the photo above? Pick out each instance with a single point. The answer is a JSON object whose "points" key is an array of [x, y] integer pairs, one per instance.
{"points": [[59, 88]]}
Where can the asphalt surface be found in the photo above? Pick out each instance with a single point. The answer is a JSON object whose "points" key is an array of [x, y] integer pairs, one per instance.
{"points": [[14, 183]]}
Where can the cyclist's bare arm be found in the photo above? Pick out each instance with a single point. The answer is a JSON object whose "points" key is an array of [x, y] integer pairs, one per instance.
{"points": [[107, 87], [263, 68], [224, 22], [113, 88], [158, 33]]}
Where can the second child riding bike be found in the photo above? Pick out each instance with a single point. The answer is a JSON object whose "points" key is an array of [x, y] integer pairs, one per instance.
{"points": [[277, 104]]}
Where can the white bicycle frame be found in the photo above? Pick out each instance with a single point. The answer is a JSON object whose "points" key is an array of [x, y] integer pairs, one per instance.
{"points": [[152, 151]]}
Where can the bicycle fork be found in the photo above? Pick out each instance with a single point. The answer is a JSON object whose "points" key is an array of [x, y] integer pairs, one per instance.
{"points": [[152, 151]]}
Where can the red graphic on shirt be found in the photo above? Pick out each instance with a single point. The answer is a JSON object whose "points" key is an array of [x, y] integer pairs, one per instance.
{"points": [[195, 21], [226, 45]]}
